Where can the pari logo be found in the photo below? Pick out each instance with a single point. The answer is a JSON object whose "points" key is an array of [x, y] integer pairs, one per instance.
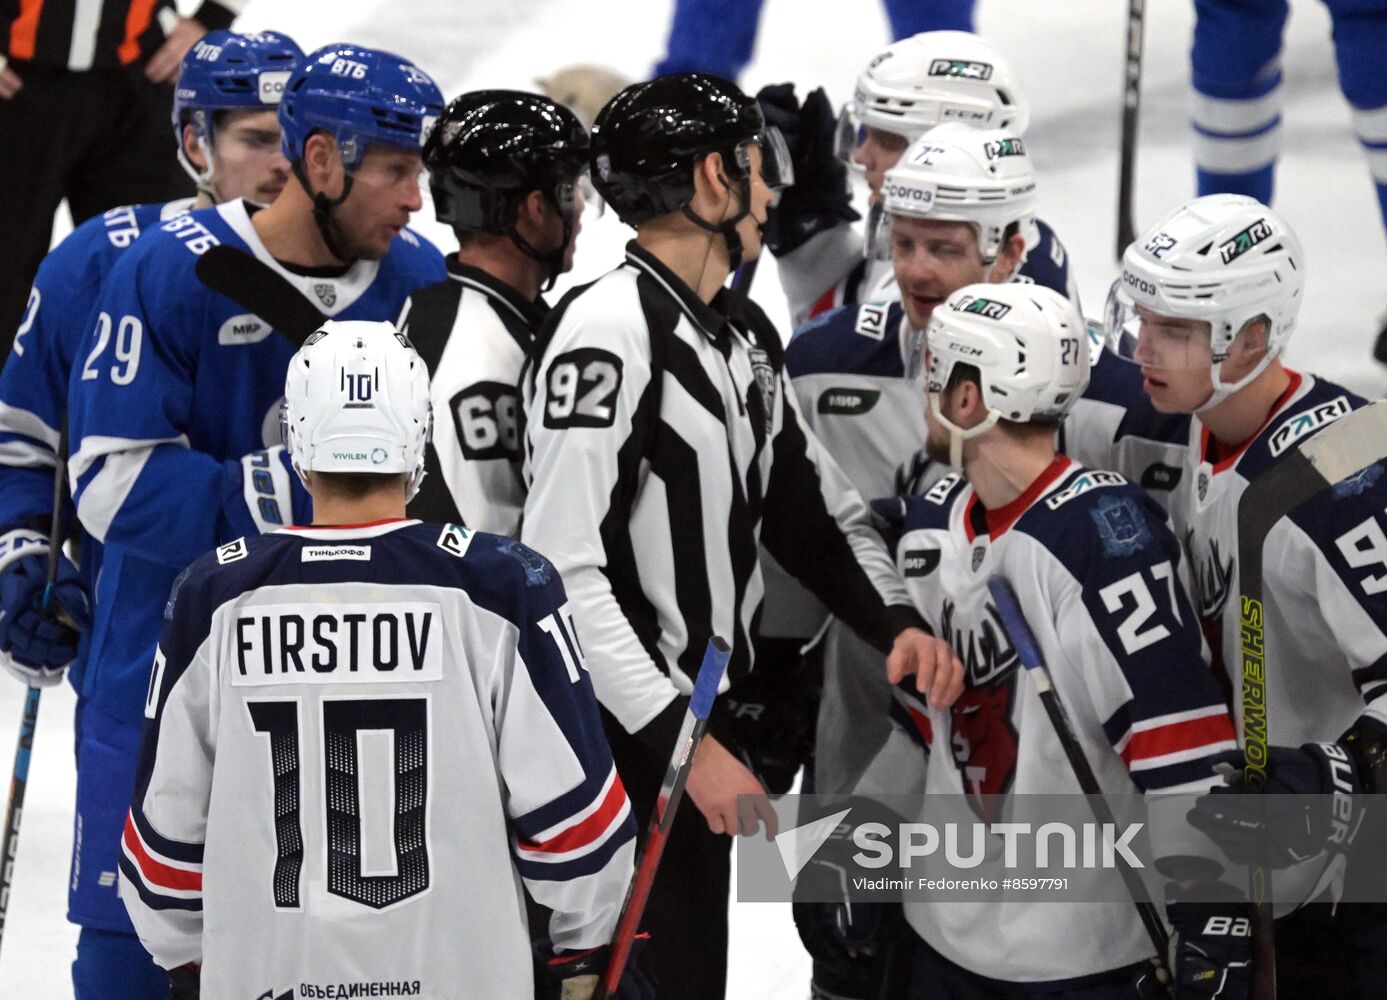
{"points": [[1244, 241], [1003, 148], [986, 308], [965, 69]]}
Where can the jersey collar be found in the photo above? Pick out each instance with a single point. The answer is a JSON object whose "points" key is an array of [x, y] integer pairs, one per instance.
{"points": [[347, 532], [999, 519], [529, 313], [1232, 454], [703, 315]]}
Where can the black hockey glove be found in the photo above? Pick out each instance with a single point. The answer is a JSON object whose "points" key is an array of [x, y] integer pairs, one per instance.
{"points": [[766, 719], [574, 975], [185, 982], [1308, 804], [820, 198], [1211, 948]]}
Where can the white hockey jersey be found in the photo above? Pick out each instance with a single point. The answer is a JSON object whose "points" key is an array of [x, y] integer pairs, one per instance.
{"points": [[1324, 573], [359, 741], [474, 332], [1098, 576]]}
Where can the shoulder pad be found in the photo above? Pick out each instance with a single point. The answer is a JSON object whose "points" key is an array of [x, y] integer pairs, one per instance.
{"points": [[861, 339]]}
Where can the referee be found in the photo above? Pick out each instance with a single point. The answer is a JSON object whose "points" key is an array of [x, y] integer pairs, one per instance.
{"points": [[663, 442], [86, 98]]}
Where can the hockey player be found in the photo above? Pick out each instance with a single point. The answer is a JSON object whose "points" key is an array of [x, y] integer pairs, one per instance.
{"points": [[415, 691], [176, 392], [930, 79], [229, 137], [506, 169], [1098, 576], [1217, 355], [718, 36], [1236, 79], [662, 444]]}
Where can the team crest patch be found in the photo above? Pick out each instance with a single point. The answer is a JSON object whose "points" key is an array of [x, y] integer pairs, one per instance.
{"points": [[1303, 424], [538, 570], [1123, 530], [1202, 484], [327, 294], [979, 553], [455, 539], [232, 551], [1360, 483], [765, 381]]}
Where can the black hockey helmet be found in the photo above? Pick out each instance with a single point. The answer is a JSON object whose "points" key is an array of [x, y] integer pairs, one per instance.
{"points": [[648, 137], [491, 148]]}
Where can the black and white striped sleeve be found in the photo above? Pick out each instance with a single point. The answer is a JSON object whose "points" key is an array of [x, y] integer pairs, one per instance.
{"points": [[818, 528]]}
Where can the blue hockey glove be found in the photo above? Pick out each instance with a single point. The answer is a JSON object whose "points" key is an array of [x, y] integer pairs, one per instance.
{"points": [[820, 198], [574, 975], [36, 643], [1211, 949], [1308, 804], [274, 496]]}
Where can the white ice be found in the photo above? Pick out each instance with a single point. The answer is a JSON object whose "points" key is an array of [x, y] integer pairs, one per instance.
{"points": [[1070, 56]]}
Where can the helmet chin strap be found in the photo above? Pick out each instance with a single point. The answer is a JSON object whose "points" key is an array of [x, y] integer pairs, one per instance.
{"points": [[1222, 391], [728, 227], [323, 206], [553, 261], [957, 434], [202, 179]]}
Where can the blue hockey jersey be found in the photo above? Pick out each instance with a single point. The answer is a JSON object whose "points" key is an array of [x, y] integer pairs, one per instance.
{"points": [[172, 386], [33, 387], [360, 740]]}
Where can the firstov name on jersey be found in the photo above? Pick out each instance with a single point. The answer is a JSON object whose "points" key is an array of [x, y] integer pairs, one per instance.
{"points": [[312, 643]]}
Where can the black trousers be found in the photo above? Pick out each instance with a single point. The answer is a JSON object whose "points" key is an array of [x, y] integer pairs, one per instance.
{"points": [[100, 139], [687, 914]]}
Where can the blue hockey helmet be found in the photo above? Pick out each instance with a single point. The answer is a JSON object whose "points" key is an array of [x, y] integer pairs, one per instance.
{"points": [[226, 70], [361, 97]]}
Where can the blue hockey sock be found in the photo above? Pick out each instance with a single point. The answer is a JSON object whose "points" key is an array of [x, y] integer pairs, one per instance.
{"points": [[112, 966]]}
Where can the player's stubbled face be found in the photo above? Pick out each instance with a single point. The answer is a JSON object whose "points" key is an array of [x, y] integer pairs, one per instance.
{"points": [[247, 161], [385, 193], [1175, 360], [932, 260], [877, 153]]}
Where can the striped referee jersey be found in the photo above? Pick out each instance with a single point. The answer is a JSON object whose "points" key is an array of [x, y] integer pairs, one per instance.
{"points": [[474, 332], [87, 34], [662, 444]]}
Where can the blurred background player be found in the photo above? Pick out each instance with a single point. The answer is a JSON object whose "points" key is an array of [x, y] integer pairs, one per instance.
{"points": [[1005, 364], [1218, 355], [176, 391], [935, 78], [507, 171], [662, 445], [718, 36], [452, 753], [1237, 80], [85, 92], [227, 125]]}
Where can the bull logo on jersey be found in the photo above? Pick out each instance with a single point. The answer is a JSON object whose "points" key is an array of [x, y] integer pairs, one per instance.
{"points": [[327, 293], [1213, 577], [979, 553]]}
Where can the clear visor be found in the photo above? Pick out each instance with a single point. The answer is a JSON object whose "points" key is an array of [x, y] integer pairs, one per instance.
{"points": [[876, 243], [916, 355], [847, 136], [586, 200], [1138, 334], [776, 168]]}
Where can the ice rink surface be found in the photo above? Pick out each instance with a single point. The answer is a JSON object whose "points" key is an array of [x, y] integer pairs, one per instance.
{"points": [[1069, 57]]}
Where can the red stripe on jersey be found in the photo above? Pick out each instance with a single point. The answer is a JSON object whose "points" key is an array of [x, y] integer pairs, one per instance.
{"points": [[156, 873], [1002, 518], [823, 303], [1189, 734], [1226, 456], [136, 21], [581, 834], [922, 725], [24, 29]]}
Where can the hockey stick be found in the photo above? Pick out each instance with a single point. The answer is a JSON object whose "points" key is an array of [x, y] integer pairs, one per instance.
{"points": [[28, 723], [671, 791], [1028, 651], [1131, 103], [1340, 451], [260, 288]]}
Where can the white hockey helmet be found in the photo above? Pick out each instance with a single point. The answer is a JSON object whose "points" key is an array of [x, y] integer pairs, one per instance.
{"points": [[954, 173], [356, 399], [1223, 259], [1028, 343], [932, 78]]}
